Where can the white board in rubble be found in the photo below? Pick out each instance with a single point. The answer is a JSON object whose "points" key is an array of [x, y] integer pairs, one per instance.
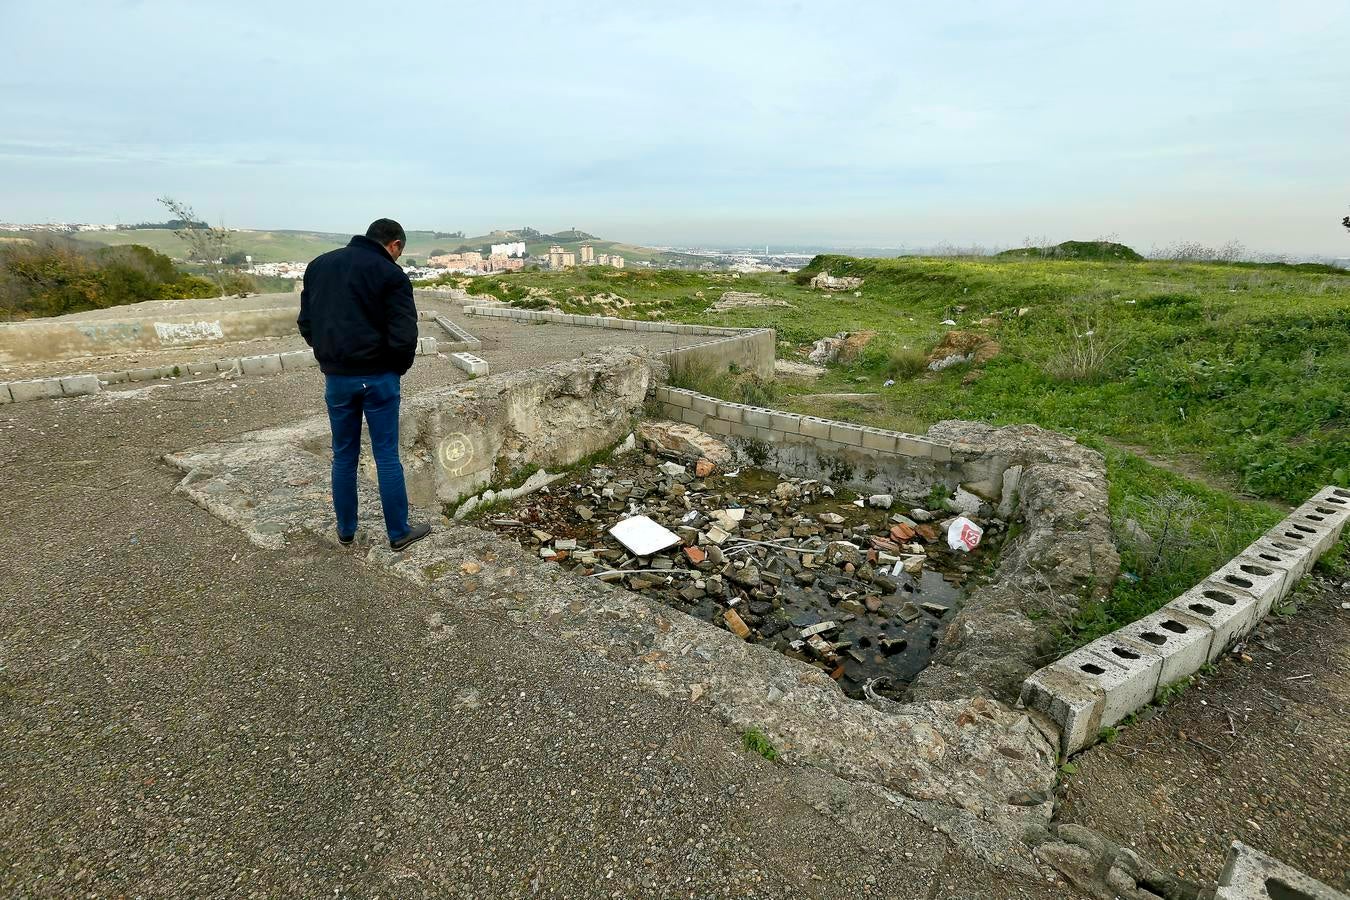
{"points": [[644, 536]]}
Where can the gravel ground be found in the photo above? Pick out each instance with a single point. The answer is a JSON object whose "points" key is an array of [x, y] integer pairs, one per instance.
{"points": [[1255, 752], [188, 714]]}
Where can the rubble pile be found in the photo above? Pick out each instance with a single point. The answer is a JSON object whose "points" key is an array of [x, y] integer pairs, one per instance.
{"points": [[744, 300], [826, 282], [848, 584]]}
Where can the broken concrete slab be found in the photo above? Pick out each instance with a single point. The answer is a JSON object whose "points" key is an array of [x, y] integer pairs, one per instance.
{"points": [[682, 440], [34, 389], [1249, 874], [79, 385]]}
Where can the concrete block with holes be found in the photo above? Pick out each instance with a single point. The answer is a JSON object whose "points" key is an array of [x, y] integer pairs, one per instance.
{"points": [[1333, 497], [1306, 532], [1182, 640], [1249, 874], [1294, 560], [1325, 514], [1071, 702], [1264, 582], [1120, 682], [474, 365], [1230, 613]]}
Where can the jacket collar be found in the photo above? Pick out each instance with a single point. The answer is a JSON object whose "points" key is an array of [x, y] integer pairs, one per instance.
{"points": [[360, 240]]}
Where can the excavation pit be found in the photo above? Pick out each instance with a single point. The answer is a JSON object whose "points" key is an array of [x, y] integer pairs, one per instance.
{"points": [[809, 570], [936, 732]]}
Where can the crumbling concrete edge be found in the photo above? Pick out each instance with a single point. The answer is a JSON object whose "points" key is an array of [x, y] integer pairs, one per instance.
{"points": [[1101, 683], [1249, 874]]}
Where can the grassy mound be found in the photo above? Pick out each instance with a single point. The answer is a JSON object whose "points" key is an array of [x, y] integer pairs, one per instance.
{"points": [[1099, 250]]}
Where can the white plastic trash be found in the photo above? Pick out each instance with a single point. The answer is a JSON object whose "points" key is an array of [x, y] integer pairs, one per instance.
{"points": [[963, 534], [644, 536]]}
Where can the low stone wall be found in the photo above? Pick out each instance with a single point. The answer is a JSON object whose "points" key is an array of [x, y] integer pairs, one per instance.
{"points": [[48, 388], [1102, 683], [458, 338], [870, 459], [745, 349], [262, 364], [26, 342]]}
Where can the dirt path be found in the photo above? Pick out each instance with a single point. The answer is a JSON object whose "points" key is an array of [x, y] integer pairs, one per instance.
{"points": [[1192, 468]]}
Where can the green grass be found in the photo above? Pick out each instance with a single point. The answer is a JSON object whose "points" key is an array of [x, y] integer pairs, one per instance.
{"points": [[1239, 374], [1242, 368], [756, 741]]}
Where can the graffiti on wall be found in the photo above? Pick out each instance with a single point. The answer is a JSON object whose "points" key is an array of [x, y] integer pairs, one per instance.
{"points": [[175, 333]]}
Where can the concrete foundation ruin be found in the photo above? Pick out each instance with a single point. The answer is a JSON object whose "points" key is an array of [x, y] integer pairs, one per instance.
{"points": [[962, 753]]}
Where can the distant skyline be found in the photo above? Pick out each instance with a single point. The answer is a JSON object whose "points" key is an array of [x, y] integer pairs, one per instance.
{"points": [[702, 123]]}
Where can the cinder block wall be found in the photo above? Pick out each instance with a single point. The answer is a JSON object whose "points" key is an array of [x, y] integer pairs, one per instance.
{"points": [[862, 458], [1105, 681]]}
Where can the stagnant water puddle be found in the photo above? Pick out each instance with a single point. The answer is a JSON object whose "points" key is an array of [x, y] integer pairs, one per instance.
{"points": [[862, 592]]}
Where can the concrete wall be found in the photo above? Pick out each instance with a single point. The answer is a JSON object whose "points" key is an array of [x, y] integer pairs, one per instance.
{"points": [[870, 459], [748, 349], [457, 440], [24, 342], [1102, 683]]}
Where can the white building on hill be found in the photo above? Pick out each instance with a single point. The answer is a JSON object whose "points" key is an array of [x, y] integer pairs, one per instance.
{"points": [[514, 248]]}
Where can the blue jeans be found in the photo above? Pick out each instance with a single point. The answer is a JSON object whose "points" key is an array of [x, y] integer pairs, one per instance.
{"points": [[377, 396]]}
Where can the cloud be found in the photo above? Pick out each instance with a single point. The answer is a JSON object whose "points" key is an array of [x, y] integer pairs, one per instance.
{"points": [[863, 121]]}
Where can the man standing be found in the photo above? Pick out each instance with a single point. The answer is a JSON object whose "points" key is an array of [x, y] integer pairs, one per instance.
{"points": [[357, 312]]}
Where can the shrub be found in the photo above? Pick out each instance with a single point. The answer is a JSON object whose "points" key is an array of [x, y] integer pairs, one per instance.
{"points": [[905, 362], [1085, 353]]}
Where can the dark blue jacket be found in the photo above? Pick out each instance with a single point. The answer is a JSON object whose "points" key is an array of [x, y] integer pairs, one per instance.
{"points": [[357, 312]]}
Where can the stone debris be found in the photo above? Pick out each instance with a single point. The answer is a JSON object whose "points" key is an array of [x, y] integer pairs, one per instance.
{"points": [[683, 441], [843, 347], [827, 282], [744, 300], [837, 582], [794, 369], [958, 347]]}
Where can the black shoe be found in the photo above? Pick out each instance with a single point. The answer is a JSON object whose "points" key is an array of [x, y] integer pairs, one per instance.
{"points": [[418, 532], [348, 541]]}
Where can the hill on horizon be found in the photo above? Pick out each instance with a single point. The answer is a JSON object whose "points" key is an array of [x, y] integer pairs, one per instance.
{"points": [[1099, 250], [298, 245]]}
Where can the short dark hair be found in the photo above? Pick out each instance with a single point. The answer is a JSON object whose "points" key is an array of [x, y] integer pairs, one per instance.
{"points": [[383, 231]]}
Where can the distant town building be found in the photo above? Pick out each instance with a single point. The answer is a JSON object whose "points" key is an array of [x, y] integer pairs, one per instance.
{"points": [[500, 262], [469, 261], [610, 259], [558, 258], [514, 248], [587, 255]]}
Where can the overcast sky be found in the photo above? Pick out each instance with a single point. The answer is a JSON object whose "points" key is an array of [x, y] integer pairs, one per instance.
{"points": [[836, 123]]}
